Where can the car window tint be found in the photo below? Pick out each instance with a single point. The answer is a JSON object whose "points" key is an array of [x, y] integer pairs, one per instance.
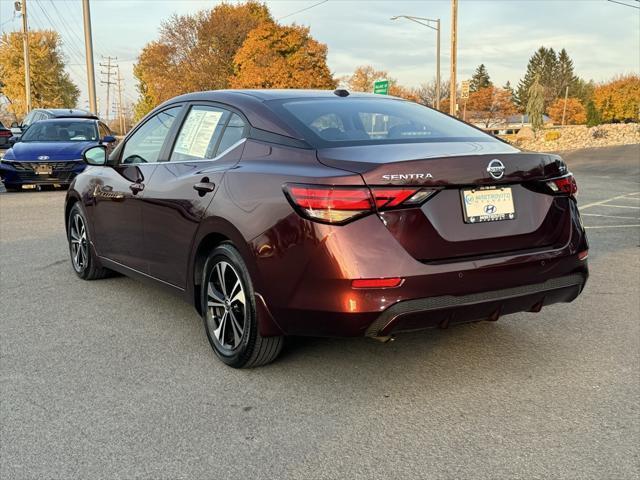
{"points": [[364, 121], [199, 134], [145, 144], [61, 131], [232, 134]]}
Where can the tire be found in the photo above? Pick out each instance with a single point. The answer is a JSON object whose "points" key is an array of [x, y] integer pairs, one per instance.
{"points": [[83, 258], [229, 312]]}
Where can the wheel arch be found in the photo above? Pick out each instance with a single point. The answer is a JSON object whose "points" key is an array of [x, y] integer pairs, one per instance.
{"points": [[214, 232]]}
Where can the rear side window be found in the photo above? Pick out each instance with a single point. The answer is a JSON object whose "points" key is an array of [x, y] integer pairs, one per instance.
{"points": [[232, 134], [328, 122], [200, 133]]}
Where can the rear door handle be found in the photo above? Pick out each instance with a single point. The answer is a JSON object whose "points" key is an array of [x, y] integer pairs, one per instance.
{"points": [[204, 187], [136, 187]]}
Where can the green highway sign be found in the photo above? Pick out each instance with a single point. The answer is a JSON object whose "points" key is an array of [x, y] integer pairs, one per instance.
{"points": [[381, 87]]}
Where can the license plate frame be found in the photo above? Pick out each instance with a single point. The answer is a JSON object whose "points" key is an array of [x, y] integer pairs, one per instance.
{"points": [[44, 169], [487, 204]]}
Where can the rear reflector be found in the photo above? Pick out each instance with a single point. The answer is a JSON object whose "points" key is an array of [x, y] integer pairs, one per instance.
{"points": [[583, 255], [564, 185], [377, 282], [340, 204], [5, 133]]}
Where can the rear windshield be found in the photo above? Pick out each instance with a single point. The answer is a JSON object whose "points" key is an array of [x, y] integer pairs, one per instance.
{"points": [[361, 121], [61, 131]]}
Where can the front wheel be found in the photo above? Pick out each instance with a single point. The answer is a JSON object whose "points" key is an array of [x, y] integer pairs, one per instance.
{"points": [[229, 312], [83, 259]]}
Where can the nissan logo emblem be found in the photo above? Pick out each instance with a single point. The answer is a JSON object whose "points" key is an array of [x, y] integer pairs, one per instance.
{"points": [[496, 168]]}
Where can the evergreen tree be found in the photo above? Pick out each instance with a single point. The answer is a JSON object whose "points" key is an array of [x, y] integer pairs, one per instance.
{"points": [[509, 88], [593, 116], [535, 104], [564, 76], [544, 64], [480, 79]]}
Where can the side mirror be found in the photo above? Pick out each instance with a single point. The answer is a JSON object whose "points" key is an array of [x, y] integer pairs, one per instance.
{"points": [[108, 139], [96, 155], [15, 125]]}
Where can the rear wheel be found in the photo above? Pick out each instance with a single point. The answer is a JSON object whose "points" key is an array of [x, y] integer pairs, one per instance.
{"points": [[229, 312], [83, 259]]}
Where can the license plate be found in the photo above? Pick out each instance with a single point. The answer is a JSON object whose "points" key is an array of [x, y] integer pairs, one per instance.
{"points": [[487, 204], [44, 169]]}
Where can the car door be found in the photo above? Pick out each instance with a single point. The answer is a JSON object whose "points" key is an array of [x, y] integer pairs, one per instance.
{"points": [[120, 188], [209, 142]]}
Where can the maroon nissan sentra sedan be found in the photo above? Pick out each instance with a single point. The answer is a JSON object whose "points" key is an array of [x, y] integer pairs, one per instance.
{"points": [[286, 212]]}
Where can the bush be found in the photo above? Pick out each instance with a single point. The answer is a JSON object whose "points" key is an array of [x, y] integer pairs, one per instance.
{"points": [[598, 133], [552, 136]]}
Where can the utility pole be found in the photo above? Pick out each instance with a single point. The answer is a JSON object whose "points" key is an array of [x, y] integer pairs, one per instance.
{"points": [[88, 46], [120, 108], [454, 55], [25, 48], [564, 110], [109, 66]]}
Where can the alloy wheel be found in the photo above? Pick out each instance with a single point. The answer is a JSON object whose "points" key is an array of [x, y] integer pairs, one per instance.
{"points": [[227, 305], [79, 243]]}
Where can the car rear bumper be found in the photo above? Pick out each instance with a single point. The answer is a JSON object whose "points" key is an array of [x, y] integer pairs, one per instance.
{"points": [[314, 293], [490, 305]]}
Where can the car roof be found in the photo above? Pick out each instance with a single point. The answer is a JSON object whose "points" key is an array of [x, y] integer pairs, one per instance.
{"points": [[67, 112], [68, 119]]}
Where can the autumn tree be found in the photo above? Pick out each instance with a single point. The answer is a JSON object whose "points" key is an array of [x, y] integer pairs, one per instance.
{"points": [[535, 104], [426, 93], [490, 106], [278, 56], [575, 114], [364, 77], [619, 99], [51, 86], [480, 79], [195, 52]]}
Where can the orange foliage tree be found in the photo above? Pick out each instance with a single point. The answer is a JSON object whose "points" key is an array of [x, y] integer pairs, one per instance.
{"points": [[619, 99], [364, 76], [575, 115], [194, 52], [490, 106], [278, 56]]}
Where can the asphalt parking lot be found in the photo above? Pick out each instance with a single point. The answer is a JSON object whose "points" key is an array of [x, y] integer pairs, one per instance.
{"points": [[114, 379]]}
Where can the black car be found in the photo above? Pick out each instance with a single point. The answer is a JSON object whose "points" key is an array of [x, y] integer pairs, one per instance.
{"points": [[5, 135], [47, 113]]}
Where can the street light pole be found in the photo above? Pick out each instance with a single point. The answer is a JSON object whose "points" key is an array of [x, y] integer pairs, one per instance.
{"points": [[88, 45], [423, 21], [25, 48]]}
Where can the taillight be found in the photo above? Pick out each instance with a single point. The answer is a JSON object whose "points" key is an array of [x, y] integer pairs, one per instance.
{"points": [[391, 282], [340, 204], [564, 185], [5, 133]]}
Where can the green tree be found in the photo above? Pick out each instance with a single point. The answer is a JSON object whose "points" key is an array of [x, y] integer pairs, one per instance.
{"points": [[535, 104], [593, 115], [51, 86], [480, 79], [195, 52], [542, 64]]}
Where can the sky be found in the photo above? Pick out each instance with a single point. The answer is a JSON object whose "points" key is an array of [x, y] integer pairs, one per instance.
{"points": [[602, 37]]}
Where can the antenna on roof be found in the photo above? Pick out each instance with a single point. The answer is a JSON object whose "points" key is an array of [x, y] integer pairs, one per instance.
{"points": [[341, 92]]}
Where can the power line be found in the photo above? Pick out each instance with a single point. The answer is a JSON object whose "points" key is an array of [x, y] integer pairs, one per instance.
{"points": [[303, 9], [625, 4]]}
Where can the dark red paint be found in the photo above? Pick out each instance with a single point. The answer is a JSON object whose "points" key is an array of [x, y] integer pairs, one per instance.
{"points": [[148, 221]]}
